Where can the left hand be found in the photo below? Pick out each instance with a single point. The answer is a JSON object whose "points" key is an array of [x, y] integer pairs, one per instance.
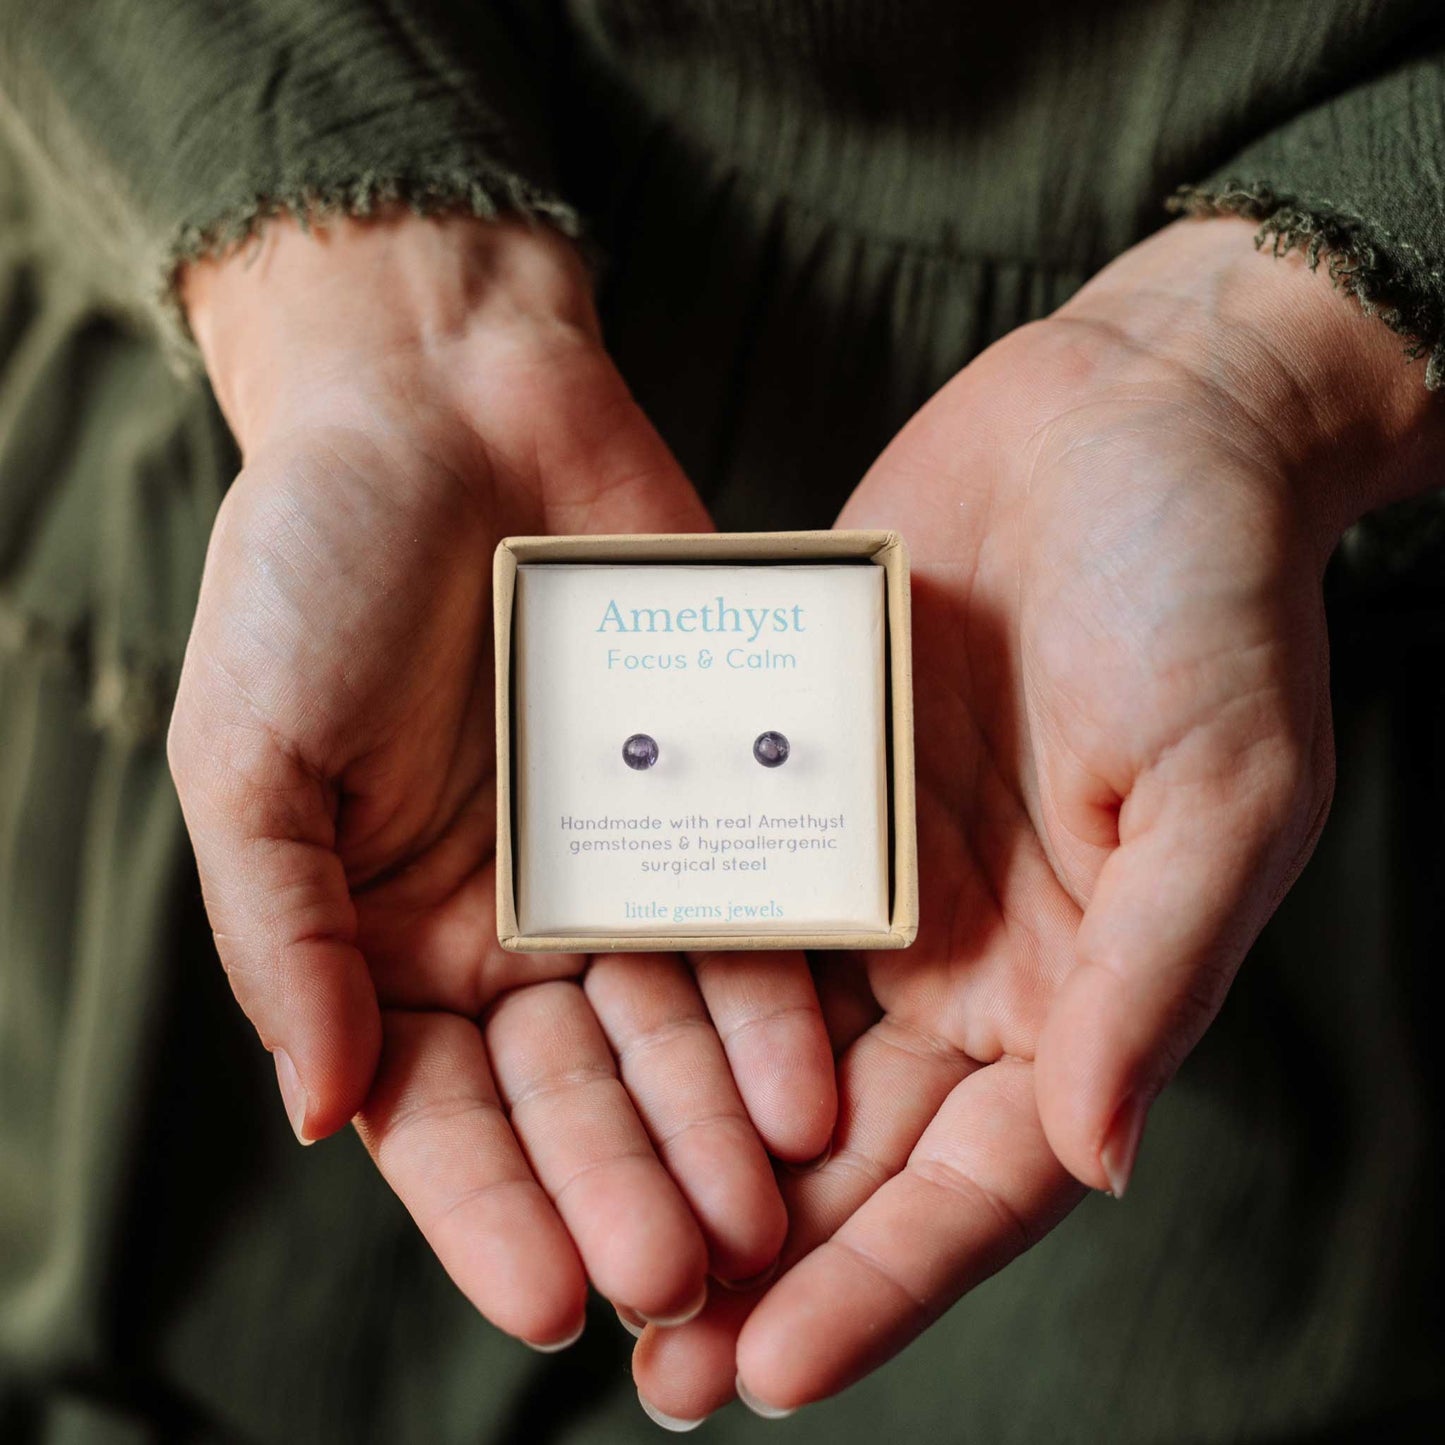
{"points": [[406, 391], [1120, 518]]}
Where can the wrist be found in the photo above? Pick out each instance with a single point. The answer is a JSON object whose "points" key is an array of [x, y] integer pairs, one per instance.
{"points": [[286, 321], [1319, 391]]}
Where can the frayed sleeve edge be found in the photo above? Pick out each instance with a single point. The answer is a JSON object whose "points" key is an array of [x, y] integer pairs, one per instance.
{"points": [[484, 193], [1390, 279]]}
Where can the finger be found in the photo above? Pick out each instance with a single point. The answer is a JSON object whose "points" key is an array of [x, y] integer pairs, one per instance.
{"points": [[589, 1150], [677, 1074], [981, 1186], [1200, 867], [684, 1374], [890, 1085], [766, 1012], [845, 999], [602, 467], [435, 1127], [263, 831]]}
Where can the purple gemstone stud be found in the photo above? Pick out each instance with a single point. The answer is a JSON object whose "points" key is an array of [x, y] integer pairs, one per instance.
{"points": [[639, 751], [771, 749]]}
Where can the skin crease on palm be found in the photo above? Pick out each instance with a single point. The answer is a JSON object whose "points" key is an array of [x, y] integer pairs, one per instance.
{"points": [[405, 393], [1119, 518]]}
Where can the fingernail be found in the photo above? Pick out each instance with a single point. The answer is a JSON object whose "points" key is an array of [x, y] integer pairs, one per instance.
{"points": [[557, 1346], [632, 1322], [757, 1406], [808, 1165], [671, 1322], [668, 1422], [293, 1094], [1121, 1147], [752, 1281]]}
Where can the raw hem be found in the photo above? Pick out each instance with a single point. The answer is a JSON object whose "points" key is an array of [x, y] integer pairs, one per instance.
{"points": [[1357, 263], [485, 194]]}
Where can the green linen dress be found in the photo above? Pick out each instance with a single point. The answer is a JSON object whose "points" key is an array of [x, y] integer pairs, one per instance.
{"points": [[809, 214]]}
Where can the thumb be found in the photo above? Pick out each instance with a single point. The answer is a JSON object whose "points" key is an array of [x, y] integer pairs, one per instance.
{"points": [[1173, 912], [604, 468], [280, 908]]}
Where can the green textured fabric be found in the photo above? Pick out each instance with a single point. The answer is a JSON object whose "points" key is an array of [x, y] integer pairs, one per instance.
{"points": [[810, 214], [1357, 178]]}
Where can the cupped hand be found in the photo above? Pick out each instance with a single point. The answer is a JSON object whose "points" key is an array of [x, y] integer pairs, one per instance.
{"points": [[406, 392], [1119, 520]]}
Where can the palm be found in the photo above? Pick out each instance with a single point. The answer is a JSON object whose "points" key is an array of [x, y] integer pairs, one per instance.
{"points": [[1122, 743], [1065, 668], [396, 638], [337, 705]]}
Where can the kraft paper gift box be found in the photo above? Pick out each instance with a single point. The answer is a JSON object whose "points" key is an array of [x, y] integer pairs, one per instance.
{"points": [[707, 850]]}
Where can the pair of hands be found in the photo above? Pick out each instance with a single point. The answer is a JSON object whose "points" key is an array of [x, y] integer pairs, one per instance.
{"points": [[1119, 518]]}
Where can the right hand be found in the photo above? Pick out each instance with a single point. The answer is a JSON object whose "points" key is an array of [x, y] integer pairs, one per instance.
{"points": [[1120, 517], [405, 393]]}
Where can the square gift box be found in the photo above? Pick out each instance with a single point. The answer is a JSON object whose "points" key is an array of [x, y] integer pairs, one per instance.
{"points": [[704, 741]]}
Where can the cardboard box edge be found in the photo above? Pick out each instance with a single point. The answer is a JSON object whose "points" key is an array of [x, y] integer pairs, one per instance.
{"points": [[898, 565], [858, 543], [697, 942], [504, 581]]}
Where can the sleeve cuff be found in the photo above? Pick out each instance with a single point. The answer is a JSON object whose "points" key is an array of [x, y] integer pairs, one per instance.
{"points": [[483, 190], [1389, 278]]}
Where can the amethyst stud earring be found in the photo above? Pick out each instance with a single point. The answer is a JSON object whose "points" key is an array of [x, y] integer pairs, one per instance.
{"points": [[639, 751], [771, 749]]}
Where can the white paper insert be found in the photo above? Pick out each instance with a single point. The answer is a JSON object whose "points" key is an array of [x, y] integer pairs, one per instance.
{"points": [[703, 659]]}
